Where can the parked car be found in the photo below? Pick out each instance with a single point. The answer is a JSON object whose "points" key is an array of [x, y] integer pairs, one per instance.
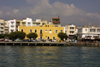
{"points": [[35, 40], [59, 40], [48, 41], [43, 40], [1, 40], [26, 40], [68, 40], [18, 40], [6, 40], [54, 40]]}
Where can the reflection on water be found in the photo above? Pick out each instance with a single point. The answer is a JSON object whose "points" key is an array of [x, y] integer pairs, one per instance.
{"points": [[49, 56]]}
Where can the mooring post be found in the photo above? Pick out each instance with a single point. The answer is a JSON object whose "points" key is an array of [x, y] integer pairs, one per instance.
{"points": [[35, 44], [21, 44], [5, 43], [28, 44], [50, 44], [42, 44], [13, 44]]}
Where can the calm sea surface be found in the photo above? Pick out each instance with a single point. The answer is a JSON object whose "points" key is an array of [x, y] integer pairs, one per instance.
{"points": [[49, 56]]}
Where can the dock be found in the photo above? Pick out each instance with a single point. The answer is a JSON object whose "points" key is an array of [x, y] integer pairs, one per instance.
{"points": [[48, 44]]}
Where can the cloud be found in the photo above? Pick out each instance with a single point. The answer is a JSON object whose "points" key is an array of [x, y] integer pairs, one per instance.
{"points": [[68, 13]]}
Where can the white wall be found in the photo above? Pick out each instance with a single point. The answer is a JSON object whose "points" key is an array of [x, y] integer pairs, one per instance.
{"points": [[12, 26]]}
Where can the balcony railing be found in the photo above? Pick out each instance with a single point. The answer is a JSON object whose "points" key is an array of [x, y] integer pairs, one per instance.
{"points": [[1, 29], [1, 26]]}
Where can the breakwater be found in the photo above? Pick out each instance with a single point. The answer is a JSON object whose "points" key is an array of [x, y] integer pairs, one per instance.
{"points": [[48, 44]]}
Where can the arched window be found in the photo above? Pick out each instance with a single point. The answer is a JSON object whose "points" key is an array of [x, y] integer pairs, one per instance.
{"points": [[35, 31], [40, 31], [48, 37], [61, 30], [30, 30], [50, 31], [54, 38], [56, 31], [22, 30]]}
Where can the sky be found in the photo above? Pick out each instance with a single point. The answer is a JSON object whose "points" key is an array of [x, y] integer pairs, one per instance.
{"points": [[77, 12]]}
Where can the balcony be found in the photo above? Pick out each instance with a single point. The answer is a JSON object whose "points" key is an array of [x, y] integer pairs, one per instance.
{"points": [[23, 25], [1, 29], [17, 24], [56, 22], [1, 26], [72, 29], [2, 22]]}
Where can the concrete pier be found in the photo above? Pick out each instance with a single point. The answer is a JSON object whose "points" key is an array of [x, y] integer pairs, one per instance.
{"points": [[48, 44]]}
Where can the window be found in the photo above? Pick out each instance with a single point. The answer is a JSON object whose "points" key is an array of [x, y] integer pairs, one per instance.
{"points": [[45, 30], [23, 23], [56, 31], [98, 30], [61, 30], [40, 31], [50, 31], [29, 23], [54, 38], [12, 25], [2, 24], [71, 27], [30, 30], [12, 22], [43, 23], [92, 30], [6, 29], [48, 37], [2, 28], [35, 30], [22, 30], [12, 30], [85, 29], [72, 32]]}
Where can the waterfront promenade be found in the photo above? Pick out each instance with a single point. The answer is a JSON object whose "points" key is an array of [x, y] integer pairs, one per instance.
{"points": [[49, 44]]}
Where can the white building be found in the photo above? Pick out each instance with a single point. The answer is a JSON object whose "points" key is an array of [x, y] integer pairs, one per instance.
{"points": [[70, 30], [28, 21], [12, 25], [89, 32]]}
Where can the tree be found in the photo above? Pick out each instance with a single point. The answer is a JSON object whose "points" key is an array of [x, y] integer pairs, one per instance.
{"points": [[1, 35], [17, 34], [62, 35], [6, 36], [75, 37], [32, 35]]}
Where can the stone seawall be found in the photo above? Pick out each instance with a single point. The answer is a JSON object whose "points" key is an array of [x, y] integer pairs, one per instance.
{"points": [[48, 44]]}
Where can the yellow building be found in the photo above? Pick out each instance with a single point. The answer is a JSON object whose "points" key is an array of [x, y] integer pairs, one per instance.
{"points": [[47, 31]]}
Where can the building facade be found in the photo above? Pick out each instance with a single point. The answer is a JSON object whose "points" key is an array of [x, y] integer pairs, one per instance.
{"points": [[56, 21], [6, 27], [70, 30], [2, 26], [89, 32], [47, 31]]}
